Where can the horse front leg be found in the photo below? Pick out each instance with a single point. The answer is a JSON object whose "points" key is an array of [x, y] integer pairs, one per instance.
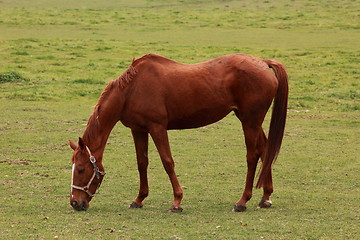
{"points": [[141, 140], [160, 137]]}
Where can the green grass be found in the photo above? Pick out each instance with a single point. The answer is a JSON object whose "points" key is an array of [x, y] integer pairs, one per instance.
{"points": [[11, 77], [57, 57]]}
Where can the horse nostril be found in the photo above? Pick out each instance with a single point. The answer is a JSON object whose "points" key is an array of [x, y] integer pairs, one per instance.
{"points": [[74, 203], [84, 205]]}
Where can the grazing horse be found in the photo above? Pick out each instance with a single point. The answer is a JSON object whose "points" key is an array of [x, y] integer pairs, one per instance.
{"points": [[157, 94]]}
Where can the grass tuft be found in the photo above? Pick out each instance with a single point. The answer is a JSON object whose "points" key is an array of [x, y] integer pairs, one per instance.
{"points": [[88, 81], [12, 77]]}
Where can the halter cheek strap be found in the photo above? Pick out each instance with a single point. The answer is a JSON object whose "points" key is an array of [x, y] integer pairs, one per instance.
{"points": [[87, 187], [97, 173], [93, 162]]}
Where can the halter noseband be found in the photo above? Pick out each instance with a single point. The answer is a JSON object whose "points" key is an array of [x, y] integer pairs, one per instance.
{"points": [[96, 173]]}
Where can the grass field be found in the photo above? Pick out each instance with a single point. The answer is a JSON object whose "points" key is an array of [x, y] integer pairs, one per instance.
{"points": [[57, 56]]}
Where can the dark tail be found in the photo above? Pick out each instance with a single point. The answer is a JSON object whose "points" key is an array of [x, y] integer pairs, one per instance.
{"points": [[277, 124]]}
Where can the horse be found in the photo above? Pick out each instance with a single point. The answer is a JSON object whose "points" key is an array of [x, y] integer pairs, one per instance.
{"points": [[156, 94]]}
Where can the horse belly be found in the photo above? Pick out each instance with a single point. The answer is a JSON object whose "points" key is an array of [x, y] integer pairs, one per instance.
{"points": [[199, 102], [198, 118]]}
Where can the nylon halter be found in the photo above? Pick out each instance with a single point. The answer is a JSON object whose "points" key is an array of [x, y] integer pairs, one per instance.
{"points": [[97, 173]]}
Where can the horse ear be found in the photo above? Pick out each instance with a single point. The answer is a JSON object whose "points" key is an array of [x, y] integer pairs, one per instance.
{"points": [[81, 143], [73, 145]]}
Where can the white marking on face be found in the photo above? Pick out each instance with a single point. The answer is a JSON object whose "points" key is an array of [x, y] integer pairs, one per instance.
{"points": [[72, 179]]}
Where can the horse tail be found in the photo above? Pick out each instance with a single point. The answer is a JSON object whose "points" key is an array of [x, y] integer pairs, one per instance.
{"points": [[277, 123]]}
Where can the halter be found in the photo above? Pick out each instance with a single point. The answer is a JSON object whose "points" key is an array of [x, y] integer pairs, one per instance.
{"points": [[96, 173]]}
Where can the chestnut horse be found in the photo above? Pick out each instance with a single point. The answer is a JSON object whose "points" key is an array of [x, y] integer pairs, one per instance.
{"points": [[157, 94]]}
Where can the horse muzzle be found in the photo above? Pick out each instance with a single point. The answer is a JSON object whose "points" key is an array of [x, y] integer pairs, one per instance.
{"points": [[79, 206]]}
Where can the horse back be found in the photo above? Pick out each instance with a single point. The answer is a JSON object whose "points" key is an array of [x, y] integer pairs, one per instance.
{"points": [[193, 95]]}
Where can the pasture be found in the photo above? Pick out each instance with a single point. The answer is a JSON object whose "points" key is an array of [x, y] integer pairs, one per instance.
{"points": [[56, 57]]}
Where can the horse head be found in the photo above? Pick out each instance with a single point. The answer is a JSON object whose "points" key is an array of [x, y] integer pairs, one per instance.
{"points": [[87, 175]]}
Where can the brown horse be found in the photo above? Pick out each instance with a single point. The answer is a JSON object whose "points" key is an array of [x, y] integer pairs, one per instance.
{"points": [[157, 94]]}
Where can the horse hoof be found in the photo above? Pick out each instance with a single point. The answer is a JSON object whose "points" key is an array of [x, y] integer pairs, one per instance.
{"points": [[265, 203], [135, 205], [175, 209], [239, 208]]}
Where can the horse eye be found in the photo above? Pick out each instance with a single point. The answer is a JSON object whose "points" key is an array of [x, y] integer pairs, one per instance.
{"points": [[81, 171]]}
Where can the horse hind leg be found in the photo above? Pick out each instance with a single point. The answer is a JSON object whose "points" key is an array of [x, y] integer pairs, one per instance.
{"points": [[255, 141], [265, 201]]}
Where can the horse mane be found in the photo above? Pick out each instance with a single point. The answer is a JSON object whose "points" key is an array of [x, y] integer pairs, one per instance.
{"points": [[120, 82], [124, 79]]}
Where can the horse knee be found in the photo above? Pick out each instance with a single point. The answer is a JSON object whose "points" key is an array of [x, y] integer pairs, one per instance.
{"points": [[143, 165]]}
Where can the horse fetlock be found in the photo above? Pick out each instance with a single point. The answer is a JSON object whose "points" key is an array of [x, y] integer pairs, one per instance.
{"points": [[143, 195]]}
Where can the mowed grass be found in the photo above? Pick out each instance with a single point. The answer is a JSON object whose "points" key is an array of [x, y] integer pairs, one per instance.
{"points": [[57, 57]]}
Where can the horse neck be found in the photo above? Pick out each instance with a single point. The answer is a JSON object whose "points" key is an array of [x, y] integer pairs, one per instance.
{"points": [[100, 124]]}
